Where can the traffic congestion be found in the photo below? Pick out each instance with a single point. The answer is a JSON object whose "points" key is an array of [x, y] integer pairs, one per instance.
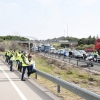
{"points": [[68, 52]]}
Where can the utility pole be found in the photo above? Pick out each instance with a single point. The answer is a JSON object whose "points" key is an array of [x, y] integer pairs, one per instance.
{"points": [[67, 30], [64, 34]]}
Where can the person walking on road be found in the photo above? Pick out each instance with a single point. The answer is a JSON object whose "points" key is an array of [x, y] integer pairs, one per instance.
{"points": [[25, 64], [12, 58], [20, 61], [17, 61], [6, 56]]}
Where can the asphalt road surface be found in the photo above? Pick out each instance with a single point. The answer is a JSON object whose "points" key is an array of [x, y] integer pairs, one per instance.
{"points": [[96, 66], [12, 88]]}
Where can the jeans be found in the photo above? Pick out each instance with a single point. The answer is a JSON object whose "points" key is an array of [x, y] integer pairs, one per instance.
{"points": [[17, 62], [20, 66], [6, 60], [30, 69], [23, 71], [11, 64]]}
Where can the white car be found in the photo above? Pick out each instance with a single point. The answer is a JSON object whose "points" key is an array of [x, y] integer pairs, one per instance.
{"points": [[77, 54]]}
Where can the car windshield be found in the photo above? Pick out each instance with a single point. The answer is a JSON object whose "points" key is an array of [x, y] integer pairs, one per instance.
{"points": [[76, 52], [82, 51]]}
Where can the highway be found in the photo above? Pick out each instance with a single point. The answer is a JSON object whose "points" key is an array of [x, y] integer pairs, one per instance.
{"points": [[12, 88], [73, 61]]}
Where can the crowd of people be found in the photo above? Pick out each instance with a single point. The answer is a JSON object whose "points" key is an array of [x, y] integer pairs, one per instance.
{"points": [[23, 61]]}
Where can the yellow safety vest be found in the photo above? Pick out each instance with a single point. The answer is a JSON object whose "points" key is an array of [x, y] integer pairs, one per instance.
{"points": [[95, 53], [20, 58], [17, 56], [13, 57], [26, 60], [8, 53]]}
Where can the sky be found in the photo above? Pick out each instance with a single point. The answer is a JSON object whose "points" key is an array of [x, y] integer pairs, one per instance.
{"points": [[47, 19]]}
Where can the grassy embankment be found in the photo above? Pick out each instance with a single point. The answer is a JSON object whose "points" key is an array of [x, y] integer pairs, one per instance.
{"points": [[71, 74]]}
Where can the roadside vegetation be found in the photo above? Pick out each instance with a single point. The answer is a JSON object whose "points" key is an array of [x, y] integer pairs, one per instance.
{"points": [[72, 74]]}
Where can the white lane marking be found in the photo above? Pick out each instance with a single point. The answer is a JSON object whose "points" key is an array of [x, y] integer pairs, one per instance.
{"points": [[16, 88]]}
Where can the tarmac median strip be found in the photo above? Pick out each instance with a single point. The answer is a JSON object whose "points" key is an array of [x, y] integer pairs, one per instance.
{"points": [[13, 84]]}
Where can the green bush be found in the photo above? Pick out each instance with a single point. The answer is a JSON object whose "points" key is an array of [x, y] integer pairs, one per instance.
{"points": [[83, 47]]}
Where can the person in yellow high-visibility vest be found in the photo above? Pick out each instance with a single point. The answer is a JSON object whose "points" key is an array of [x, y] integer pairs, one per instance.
{"points": [[18, 54], [95, 55], [8, 55], [20, 61], [25, 64], [12, 58]]}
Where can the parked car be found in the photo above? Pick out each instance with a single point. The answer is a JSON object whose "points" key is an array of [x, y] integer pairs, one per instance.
{"points": [[61, 52], [55, 51], [52, 50], [83, 53]]}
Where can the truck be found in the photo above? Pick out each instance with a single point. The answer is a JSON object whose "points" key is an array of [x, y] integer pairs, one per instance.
{"points": [[97, 45], [45, 47]]}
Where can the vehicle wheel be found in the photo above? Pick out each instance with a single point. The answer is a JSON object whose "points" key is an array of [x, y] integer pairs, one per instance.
{"points": [[91, 65]]}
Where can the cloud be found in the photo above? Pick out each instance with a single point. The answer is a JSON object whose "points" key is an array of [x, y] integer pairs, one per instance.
{"points": [[86, 2]]}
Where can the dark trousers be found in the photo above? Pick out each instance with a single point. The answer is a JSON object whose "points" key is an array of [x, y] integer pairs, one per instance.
{"points": [[31, 69], [17, 61], [23, 71], [11, 64], [6, 60], [19, 66]]}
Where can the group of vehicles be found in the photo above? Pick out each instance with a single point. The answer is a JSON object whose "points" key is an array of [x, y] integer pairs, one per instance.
{"points": [[83, 54]]}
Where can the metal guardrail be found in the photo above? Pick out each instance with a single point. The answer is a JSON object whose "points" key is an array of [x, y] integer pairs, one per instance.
{"points": [[71, 87], [78, 60]]}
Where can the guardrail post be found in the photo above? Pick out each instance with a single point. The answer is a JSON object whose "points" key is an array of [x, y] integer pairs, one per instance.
{"points": [[77, 62], [63, 58], [35, 76], [58, 87], [52, 55], [69, 60]]}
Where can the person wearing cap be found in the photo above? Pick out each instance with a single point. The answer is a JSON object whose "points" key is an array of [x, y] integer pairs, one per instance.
{"points": [[31, 67], [25, 64]]}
